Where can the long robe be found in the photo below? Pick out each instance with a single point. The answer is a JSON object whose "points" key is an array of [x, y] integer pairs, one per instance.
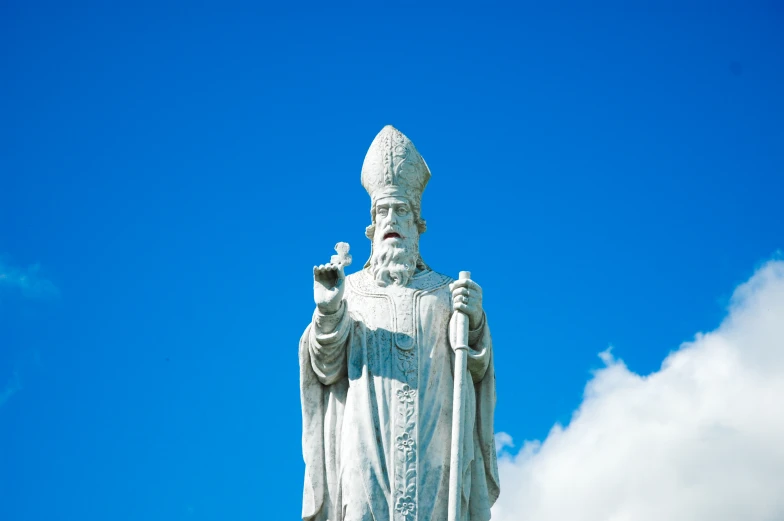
{"points": [[376, 383]]}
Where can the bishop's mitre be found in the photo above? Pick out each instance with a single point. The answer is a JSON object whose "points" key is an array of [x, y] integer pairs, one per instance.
{"points": [[393, 167]]}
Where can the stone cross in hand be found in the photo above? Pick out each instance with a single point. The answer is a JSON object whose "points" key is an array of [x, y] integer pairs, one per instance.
{"points": [[343, 258], [328, 280]]}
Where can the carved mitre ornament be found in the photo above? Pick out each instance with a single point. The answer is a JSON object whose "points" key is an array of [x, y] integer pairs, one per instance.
{"points": [[393, 167]]}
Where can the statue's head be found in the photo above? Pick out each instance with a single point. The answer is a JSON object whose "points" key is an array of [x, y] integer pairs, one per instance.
{"points": [[394, 175]]}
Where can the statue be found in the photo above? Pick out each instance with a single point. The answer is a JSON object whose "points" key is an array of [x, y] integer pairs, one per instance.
{"points": [[382, 368]]}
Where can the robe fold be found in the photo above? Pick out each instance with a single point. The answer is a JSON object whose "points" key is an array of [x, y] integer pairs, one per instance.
{"points": [[376, 384]]}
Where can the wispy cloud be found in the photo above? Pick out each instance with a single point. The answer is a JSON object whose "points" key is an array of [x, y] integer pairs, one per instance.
{"points": [[24, 367], [699, 439], [28, 281], [13, 386]]}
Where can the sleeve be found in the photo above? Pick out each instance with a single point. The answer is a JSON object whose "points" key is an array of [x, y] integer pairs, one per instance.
{"points": [[479, 352], [322, 420], [480, 347], [327, 344]]}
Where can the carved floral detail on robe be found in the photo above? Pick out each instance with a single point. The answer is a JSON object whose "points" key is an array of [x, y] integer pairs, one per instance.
{"points": [[405, 461]]}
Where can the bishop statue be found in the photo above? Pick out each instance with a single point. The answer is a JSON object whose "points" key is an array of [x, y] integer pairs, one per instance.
{"points": [[378, 370]]}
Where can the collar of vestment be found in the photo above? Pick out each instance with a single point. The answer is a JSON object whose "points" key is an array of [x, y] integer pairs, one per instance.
{"points": [[364, 282]]}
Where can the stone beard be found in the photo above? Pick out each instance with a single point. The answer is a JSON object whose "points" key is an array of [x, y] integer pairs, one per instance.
{"points": [[376, 371], [394, 264]]}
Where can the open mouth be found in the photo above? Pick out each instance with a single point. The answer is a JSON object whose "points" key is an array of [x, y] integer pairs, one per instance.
{"points": [[392, 235]]}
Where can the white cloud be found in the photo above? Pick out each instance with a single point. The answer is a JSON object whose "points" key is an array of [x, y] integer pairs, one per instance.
{"points": [[700, 439], [502, 441], [29, 281]]}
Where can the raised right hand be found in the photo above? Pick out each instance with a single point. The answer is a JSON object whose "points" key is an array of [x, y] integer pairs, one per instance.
{"points": [[328, 286]]}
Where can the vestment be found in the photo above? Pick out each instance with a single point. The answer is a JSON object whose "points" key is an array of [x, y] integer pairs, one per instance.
{"points": [[376, 386]]}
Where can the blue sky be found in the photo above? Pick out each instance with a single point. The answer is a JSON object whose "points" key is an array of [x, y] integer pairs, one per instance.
{"points": [[170, 175]]}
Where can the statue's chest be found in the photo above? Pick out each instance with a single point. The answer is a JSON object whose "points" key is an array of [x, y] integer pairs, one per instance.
{"points": [[397, 322], [393, 311], [392, 325]]}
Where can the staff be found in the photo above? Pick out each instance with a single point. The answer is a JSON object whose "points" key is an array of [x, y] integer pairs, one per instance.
{"points": [[456, 454]]}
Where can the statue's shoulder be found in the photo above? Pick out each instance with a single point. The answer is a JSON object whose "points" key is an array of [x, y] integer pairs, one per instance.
{"points": [[361, 282], [441, 276], [438, 278], [358, 276], [430, 280]]}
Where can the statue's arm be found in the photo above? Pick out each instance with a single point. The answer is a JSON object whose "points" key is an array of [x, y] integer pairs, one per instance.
{"points": [[475, 335], [466, 298], [329, 334], [480, 347]]}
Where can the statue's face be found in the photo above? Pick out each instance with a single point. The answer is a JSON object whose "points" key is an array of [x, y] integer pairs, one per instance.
{"points": [[395, 223]]}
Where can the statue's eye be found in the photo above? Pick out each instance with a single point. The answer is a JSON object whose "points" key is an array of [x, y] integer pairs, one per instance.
{"points": [[381, 211], [402, 210]]}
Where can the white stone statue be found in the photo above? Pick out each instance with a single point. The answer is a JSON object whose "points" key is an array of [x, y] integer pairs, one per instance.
{"points": [[376, 370]]}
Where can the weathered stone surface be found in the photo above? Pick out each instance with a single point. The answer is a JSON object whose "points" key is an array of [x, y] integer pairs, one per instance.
{"points": [[377, 369]]}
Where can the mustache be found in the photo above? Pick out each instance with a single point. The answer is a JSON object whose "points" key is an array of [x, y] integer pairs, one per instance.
{"points": [[391, 231]]}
